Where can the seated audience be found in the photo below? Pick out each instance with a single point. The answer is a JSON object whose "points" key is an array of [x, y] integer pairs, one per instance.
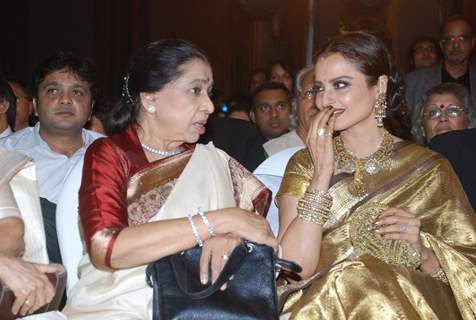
{"points": [[384, 221], [24, 103], [7, 109], [282, 73], [99, 118], [456, 41], [258, 77], [445, 107], [22, 257], [424, 53], [239, 107], [271, 109], [128, 223], [64, 91], [306, 109]]}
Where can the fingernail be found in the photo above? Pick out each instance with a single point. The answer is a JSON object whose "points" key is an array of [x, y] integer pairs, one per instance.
{"points": [[377, 230], [203, 279], [378, 222]]}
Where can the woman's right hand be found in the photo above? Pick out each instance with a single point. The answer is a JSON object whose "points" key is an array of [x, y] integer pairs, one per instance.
{"points": [[320, 145], [30, 285], [248, 225]]}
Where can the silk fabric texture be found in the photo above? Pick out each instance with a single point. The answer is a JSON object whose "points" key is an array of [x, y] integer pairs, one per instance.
{"points": [[169, 188], [364, 287]]}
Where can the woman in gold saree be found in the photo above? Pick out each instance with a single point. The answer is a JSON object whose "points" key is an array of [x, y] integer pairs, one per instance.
{"points": [[148, 192], [381, 226]]}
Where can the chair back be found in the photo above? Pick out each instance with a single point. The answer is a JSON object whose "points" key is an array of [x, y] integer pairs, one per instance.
{"points": [[270, 172]]}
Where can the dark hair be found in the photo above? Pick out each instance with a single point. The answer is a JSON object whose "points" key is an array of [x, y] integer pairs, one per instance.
{"points": [[81, 67], [268, 86], [257, 71], [283, 65], [7, 94], [419, 39], [239, 102], [456, 17], [369, 54], [151, 68]]}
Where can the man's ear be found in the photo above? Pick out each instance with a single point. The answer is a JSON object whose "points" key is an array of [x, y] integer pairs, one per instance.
{"points": [[4, 105], [252, 116], [35, 106]]}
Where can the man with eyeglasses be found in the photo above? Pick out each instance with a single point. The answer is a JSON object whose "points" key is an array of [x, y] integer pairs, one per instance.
{"points": [[456, 41], [306, 109]]}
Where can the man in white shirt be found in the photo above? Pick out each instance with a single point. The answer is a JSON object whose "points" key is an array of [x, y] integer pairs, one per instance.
{"points": [[64, 91], [7, 109]]}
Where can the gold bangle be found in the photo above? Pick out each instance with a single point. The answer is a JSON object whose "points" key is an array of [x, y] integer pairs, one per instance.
{"points": [[314, 206], [440, 275]]}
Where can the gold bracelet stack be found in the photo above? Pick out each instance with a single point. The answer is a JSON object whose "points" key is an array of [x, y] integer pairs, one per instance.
{"points": [[315, 206], [440, 275]]}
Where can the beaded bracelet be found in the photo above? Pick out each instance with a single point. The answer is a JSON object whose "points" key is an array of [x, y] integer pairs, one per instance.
{"points": [[210, 229], [195, 231]]}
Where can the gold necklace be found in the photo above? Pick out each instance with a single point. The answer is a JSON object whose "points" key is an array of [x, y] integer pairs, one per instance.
{"points": [[375, 162]]}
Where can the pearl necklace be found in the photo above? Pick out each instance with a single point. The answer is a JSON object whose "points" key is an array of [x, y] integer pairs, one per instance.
{"points": [[160, 152]]}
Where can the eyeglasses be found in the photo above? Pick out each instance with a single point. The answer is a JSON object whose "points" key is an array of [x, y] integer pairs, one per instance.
{"points": [[454, 39], [308, 93], [451, 111]]}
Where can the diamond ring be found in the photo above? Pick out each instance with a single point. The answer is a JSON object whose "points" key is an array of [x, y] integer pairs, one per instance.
{"points": [[403, 228]]}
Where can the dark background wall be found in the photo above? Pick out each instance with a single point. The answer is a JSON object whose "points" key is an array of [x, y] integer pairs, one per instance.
{"points": [[238, 35]]}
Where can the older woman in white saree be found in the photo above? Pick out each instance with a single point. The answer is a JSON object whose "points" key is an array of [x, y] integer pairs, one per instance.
{"points": [[148, 192], [381, 226]]}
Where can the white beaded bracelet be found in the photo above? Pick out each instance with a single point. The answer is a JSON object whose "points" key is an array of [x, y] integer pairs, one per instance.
{"points": [[195, 231], [207, 224]]}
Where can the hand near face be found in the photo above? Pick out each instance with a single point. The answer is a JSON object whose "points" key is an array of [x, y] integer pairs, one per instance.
{"points": [[320, 144], [29, 284]]}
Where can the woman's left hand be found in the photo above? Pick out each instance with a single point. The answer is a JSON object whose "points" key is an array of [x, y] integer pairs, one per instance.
{"points": [[215, 253], [398, 224]]}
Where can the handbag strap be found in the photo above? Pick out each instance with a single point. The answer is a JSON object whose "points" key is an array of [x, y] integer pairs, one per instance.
{"points": [[232, 266]]}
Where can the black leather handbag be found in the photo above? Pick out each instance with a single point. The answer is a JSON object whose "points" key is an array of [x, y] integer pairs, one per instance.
{"points": [[250, 295]]}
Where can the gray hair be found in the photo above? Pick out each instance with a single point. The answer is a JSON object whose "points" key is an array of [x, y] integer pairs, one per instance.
{"points": [[293, 122], [300, 76], [455, 89]]}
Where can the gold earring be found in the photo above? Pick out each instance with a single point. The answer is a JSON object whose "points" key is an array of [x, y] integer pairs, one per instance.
{"points": [[380, 109]]}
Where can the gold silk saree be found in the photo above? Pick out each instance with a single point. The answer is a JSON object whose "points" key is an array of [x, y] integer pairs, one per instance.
{"points": [[357, 285]]}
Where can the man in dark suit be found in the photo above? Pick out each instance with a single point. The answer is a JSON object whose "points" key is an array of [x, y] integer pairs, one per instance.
{"points": [[456, 41]]}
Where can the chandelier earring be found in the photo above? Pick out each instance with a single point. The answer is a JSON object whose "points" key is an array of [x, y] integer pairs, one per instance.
{"points": [[380, 109]]}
